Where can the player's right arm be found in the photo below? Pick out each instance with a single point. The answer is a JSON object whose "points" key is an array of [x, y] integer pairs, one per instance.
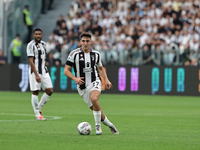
{"points": [[67, 70], [68, 73], [30, 55], [37, 77]]}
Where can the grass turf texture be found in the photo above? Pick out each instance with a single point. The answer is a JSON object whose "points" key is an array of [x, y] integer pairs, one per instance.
{"points": [[144, 123]]}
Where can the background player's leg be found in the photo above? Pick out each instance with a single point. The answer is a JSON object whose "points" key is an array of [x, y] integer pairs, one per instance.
{"points": [[34, 102], [45, 97]]}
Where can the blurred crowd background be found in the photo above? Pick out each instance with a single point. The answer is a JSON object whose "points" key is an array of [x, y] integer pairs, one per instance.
{"points": [[129, 32]]}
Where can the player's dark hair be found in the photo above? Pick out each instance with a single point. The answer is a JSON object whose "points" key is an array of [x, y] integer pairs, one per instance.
{"points": [[87, 34], [37, 29]]}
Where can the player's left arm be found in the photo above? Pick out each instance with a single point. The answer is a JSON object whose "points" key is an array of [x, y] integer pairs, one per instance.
{"points": [[104, 75]]}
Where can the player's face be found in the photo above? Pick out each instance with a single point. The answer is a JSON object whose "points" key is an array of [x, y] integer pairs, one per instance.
{"points": [[37, 36], [86, 43]]}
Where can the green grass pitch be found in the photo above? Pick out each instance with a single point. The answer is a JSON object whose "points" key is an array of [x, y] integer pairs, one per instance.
{"points": [[145, 122]]}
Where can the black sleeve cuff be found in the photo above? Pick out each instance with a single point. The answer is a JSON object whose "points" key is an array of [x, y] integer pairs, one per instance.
{"points": [[69, 63]]}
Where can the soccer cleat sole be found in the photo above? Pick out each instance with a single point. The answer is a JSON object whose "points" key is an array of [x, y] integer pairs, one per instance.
{"points": [[41, 119], [98, 133], [114, 130]]}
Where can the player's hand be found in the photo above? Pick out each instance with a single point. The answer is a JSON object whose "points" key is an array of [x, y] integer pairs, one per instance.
{"points": [[38, 79], [79, 81], [108, 85]]}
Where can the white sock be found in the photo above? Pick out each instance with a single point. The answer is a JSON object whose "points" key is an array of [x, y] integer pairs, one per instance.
{"points": [[107, 122], [97, 117], [34, 101], [43, 100]]}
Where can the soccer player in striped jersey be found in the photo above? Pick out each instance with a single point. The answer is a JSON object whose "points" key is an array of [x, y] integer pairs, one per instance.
{"points": [[38, 73], [86, 62]]}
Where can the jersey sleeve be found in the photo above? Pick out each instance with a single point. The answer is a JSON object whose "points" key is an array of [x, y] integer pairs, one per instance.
{"points": [[70, 59], [99, 63], [29, 50]]}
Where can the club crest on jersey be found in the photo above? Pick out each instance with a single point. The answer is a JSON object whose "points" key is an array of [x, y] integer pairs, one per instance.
{"points": [[87, 64]]}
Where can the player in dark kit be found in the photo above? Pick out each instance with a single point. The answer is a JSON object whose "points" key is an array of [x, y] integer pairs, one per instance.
{"points": [[86, 62]]}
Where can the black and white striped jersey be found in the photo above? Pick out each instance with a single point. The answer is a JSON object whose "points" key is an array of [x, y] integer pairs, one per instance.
{"points": [[85, 65], [38, 51]]}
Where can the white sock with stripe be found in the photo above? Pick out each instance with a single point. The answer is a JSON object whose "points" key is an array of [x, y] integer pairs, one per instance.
{"points": [[43, 100], [107, 122], [34, 102], [97, 117]]}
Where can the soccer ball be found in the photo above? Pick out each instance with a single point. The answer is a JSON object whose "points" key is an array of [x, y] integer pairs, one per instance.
{"points": [[84, 128]]}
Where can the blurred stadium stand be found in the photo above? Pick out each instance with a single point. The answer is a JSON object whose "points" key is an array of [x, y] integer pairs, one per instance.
{"points": [[133, 32]]}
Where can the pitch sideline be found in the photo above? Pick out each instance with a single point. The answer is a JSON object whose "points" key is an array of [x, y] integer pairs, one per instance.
{"points": [[15, 114]]}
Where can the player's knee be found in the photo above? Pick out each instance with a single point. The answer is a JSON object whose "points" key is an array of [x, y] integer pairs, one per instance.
{"points": [[49, 92], [35, 92], [94, 100]]}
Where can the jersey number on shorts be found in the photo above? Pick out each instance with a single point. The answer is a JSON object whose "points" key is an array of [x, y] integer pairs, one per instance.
{"points": [[95, 84]]}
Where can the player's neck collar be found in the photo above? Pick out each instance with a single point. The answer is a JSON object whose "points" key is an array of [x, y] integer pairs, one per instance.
{"points": [[83, 51], [37, 42]]}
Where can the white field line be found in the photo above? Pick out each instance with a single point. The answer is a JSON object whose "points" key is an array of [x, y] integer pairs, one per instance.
{"points": [[14, 114]]}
